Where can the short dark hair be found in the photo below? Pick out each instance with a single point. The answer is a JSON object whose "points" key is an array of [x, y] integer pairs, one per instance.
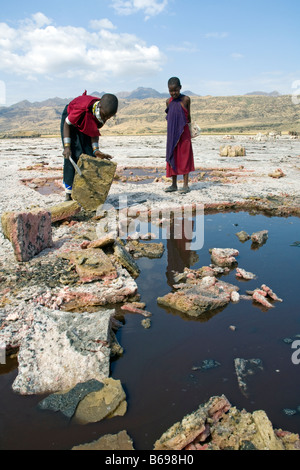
{"points": [[174, 81], [109, 103]]}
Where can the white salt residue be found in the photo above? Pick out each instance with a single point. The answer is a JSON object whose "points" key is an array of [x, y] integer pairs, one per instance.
{"points": [[249, 174]]}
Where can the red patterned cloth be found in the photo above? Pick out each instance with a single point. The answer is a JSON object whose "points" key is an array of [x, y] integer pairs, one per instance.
{"points": [[80, 115]]}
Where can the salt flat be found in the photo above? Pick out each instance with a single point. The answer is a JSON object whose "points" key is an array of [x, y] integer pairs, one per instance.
{"points": [[244, 177]]}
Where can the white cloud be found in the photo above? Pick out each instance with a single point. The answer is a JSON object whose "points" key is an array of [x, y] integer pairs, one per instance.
{"points": [[149, 7], [42, 49], [41, 20], [102, 24]]}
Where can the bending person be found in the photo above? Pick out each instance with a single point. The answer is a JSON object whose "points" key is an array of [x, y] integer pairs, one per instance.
{"points": [[80, 123]]}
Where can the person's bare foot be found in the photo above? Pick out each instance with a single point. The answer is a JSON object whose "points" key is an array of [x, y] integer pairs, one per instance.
{"points": [[171, 189], [184, 190]]}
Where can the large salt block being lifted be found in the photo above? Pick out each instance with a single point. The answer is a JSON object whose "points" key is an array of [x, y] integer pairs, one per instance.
{"points": [[91, 189]]}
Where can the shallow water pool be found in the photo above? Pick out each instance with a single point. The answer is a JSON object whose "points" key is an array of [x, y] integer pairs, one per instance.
{"points": [[161, 366]]}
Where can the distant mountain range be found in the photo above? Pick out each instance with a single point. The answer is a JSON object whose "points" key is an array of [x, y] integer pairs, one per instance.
{"points": [[263, 93], [140, 93], [142, 112], [145, 93]]}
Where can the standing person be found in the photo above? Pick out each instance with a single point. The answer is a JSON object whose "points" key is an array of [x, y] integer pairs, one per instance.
{"points": [[80, 123], [180, 157]]}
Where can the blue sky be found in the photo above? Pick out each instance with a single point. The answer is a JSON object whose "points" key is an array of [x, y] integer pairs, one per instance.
{"points": [[216, 47]]}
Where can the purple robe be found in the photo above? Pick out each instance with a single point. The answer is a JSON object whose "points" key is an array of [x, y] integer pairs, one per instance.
{"points": [[176, 122]]}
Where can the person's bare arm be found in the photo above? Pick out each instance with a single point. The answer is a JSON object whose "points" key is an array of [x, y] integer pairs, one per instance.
{"points": [[187, 104], [103, 156], [96, 151], [67, 134]]}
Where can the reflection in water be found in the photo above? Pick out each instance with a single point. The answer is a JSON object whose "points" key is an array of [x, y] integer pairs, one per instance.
{"points": [[178, 256], [10, 364]]}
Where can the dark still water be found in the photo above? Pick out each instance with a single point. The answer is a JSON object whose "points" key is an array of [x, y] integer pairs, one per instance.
{"points": [[160, 366]]}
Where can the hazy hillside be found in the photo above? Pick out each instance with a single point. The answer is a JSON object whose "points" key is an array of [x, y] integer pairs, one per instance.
{"points": [[234, 114], [247, 113], [273, 93]]}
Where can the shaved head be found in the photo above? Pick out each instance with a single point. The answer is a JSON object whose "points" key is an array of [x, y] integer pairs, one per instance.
{"points": [[174, 81], [109, 104]]}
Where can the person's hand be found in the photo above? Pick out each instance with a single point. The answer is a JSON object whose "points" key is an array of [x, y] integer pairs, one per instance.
{"points": [[103, 156], [67, 153]]}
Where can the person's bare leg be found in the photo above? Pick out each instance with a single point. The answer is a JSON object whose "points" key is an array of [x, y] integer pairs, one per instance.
{"points": [[185, 188], [172, 188], [186, 180]]}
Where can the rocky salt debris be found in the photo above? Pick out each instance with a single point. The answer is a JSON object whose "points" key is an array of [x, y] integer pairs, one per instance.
{"points": [[121, 441], [108, 402], [289, 411], [125, 259], [198, 291], [89, 402], [194, 428], [191, 275], [91, 272], [244, 369], [64, 210], [198, 297], [235, 296], [29, 232], [47, 340], [241, 273], [67, 401], [243, 236], [241, 430], [270, 293], [292, 411], [232, 151], [277, 173], [260, 297], [99, 293], [91, 264], [263, 295], [260, 237], [103, 242], [207, 364], [217, 425], [146, 323], [136, 307], [224, 257], [148, 250]]}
